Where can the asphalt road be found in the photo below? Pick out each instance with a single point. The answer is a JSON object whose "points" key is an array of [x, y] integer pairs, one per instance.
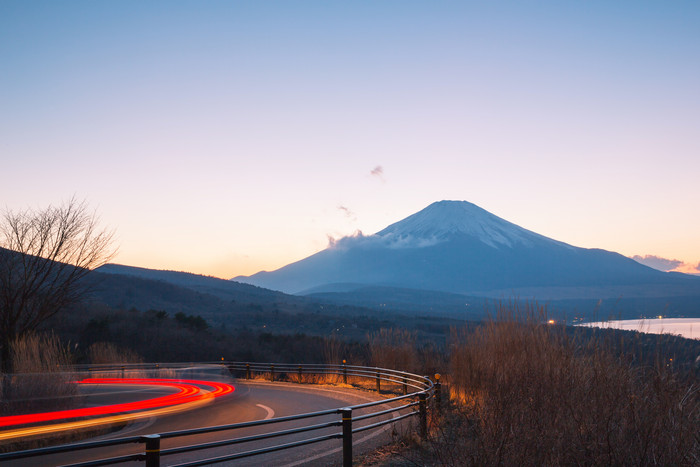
{"points": [[252, 400]]}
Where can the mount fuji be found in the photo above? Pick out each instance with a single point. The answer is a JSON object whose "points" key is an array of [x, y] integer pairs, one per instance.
{"points": [[460, 248]]}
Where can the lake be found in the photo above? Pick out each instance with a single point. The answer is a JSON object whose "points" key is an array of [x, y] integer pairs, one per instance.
{"points": [[686, 327]]}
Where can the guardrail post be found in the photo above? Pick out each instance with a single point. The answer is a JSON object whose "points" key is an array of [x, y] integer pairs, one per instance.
{"points": [[152, 450], [379, 386], [347, 436], [300, 374], [247, 371], [405, 386], [423, 416], [272, 373], [438, 393], [345, 373], [122, 371]]}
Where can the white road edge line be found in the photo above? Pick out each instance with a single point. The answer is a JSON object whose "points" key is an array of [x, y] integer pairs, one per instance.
{"points": [[270, 412], [333, 451]]}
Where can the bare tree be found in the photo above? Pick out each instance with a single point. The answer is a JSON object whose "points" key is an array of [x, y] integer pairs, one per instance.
{"points": [[44, 257]]}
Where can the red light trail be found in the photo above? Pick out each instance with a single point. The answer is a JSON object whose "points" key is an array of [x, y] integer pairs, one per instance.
{"points": [[188, 392]]}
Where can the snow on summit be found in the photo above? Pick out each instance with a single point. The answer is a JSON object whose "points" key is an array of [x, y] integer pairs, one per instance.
{"points": [[443, 220]]}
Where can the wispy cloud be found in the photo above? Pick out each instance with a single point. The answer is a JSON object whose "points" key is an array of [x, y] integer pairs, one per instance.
{"points": [[657, 262], [347, 211], [688, 268], [667, 265], [378, 172], [358, 240]]}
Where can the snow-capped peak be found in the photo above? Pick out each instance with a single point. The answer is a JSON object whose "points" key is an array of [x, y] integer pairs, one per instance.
{"points": [[445, 219]]}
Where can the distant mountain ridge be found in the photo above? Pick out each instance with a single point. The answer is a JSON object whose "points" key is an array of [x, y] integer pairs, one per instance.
{"points": [[458, 247], [215, 286]]}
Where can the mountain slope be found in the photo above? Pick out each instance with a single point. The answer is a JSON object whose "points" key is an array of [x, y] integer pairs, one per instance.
{"points": [[457, 247], [221, 288]]}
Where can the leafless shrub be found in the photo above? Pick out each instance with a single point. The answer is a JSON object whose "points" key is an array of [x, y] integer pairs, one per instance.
{"points": [[44, 257], [529, 394], [41, 381], [334, 350], [394, 349], [106, 352]]}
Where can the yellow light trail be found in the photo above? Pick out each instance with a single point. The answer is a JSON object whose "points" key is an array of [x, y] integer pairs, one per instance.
{"points": [[203, 397]]}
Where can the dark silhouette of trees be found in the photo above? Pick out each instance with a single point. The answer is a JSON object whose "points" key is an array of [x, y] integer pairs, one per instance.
{"points": [[44, 256], [196, 323]]}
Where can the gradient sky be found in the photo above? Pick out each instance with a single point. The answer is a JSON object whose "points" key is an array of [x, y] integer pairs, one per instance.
{"points": [[228, 137]]}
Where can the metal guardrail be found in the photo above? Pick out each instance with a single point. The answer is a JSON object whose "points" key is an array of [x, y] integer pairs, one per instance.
{"points": [[417, 391]]}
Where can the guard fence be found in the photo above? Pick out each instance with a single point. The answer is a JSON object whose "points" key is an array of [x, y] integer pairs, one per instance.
{"points": [[405, 395]]}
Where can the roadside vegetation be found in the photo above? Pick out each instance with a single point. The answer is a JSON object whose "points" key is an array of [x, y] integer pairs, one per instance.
{"points": [[40, 381], [517, 390], [525, 392]]}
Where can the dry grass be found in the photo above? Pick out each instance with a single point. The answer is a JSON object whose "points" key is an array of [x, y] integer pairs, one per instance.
{"points": [[528, 394], [105, 352], [40, 382], [365, 382], [394, 348]]}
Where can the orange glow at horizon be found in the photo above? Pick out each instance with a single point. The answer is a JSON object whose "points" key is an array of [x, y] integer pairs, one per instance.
{"points": [[688, 268]]}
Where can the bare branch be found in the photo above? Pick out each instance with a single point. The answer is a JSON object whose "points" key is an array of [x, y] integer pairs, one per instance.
{"points": [[44, 255]]}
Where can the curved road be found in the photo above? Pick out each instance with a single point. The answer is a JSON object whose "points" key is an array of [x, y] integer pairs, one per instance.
{"points": [[252, 400]]}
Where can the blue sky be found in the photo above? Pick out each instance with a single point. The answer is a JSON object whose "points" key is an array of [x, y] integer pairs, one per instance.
{"points": [[228, 137]]}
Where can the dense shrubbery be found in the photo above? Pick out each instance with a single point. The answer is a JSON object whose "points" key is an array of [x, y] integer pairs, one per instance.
{"points": [[155, 336], [40, 381], [106, 352], [530, 393], [524, 392]]}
